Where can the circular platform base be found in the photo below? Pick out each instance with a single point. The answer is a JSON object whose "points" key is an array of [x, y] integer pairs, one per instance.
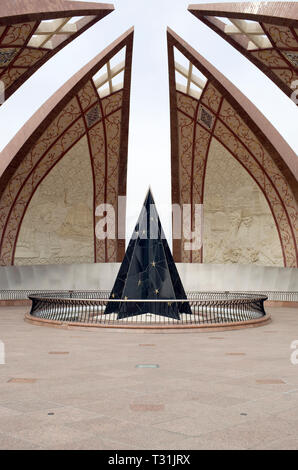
{"points": [[201, 327], [200, 310]]}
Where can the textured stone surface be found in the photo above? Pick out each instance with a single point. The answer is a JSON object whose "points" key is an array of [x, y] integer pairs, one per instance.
{"points": [[199, 398], [238, 224], [58, 225]]}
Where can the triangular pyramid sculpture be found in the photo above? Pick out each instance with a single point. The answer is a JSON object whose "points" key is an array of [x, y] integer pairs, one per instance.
{"points": [[148, 272]]}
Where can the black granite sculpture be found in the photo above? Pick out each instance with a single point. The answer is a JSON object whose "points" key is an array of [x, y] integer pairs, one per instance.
{"points": [[148, 272]]}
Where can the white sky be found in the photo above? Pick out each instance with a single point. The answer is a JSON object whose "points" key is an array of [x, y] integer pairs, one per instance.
{"points": [[149, 139]]}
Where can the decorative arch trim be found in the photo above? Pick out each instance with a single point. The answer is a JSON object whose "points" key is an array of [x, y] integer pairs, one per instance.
{"points": [[28, 39], [244, 131], [270, 42], [77, 109]]}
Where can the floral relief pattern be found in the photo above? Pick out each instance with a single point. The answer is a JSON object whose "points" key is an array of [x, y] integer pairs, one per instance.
{"points": [[113, 133], [233, 143], [105, 144], [186, 104], [11, 75], [97, 144], [286, 75], [281, 35], [236, 124], [73, 134], [112, 103], [101, 123], [87, 96], [239, 139], [17, 34], [57, 227], [277, 57], [211, 97], [270, 57], [193, 149], [29, 57], [7, 54]]}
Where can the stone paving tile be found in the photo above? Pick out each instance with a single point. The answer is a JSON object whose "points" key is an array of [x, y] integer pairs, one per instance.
{"points": [[7, 411], [63, 415], [95, 443], [290, 414], [11, 443], [129, 433], [252, 433], [27, 406], [50, 435], [267, 406], [279, 444], [101, 401], [201, 443], [200, 418], [217, 399], [23, 421]]}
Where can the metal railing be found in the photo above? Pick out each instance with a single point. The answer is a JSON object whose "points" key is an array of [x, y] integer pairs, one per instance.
{"points": [[210, 308], [284, 296]]}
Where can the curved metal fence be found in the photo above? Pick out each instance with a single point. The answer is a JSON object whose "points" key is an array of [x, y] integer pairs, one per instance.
{"points": [[284, 296], [208, 307]]}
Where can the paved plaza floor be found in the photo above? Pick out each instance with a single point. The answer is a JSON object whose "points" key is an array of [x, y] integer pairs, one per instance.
{"points": [[81, 388]]}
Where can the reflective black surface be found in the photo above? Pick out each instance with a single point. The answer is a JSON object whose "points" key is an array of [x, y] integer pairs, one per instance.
{"points": [[148, 272]]}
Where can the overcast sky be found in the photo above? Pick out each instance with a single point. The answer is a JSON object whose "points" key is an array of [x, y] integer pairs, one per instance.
{"points": [[149, 139]]}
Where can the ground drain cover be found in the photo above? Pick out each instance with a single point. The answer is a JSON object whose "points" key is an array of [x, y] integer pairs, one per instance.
{"points": [[147, 366], [215, 337], [22, 381], [145, 345]]}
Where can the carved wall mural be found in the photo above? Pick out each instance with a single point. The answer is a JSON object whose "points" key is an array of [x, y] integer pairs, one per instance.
{"points": [[58, 225], [91, 104], [238, 224], [209, 107]]}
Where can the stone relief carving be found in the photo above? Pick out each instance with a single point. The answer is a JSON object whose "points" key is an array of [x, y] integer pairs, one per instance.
{"points": [[238, 224], [58, 225]]}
